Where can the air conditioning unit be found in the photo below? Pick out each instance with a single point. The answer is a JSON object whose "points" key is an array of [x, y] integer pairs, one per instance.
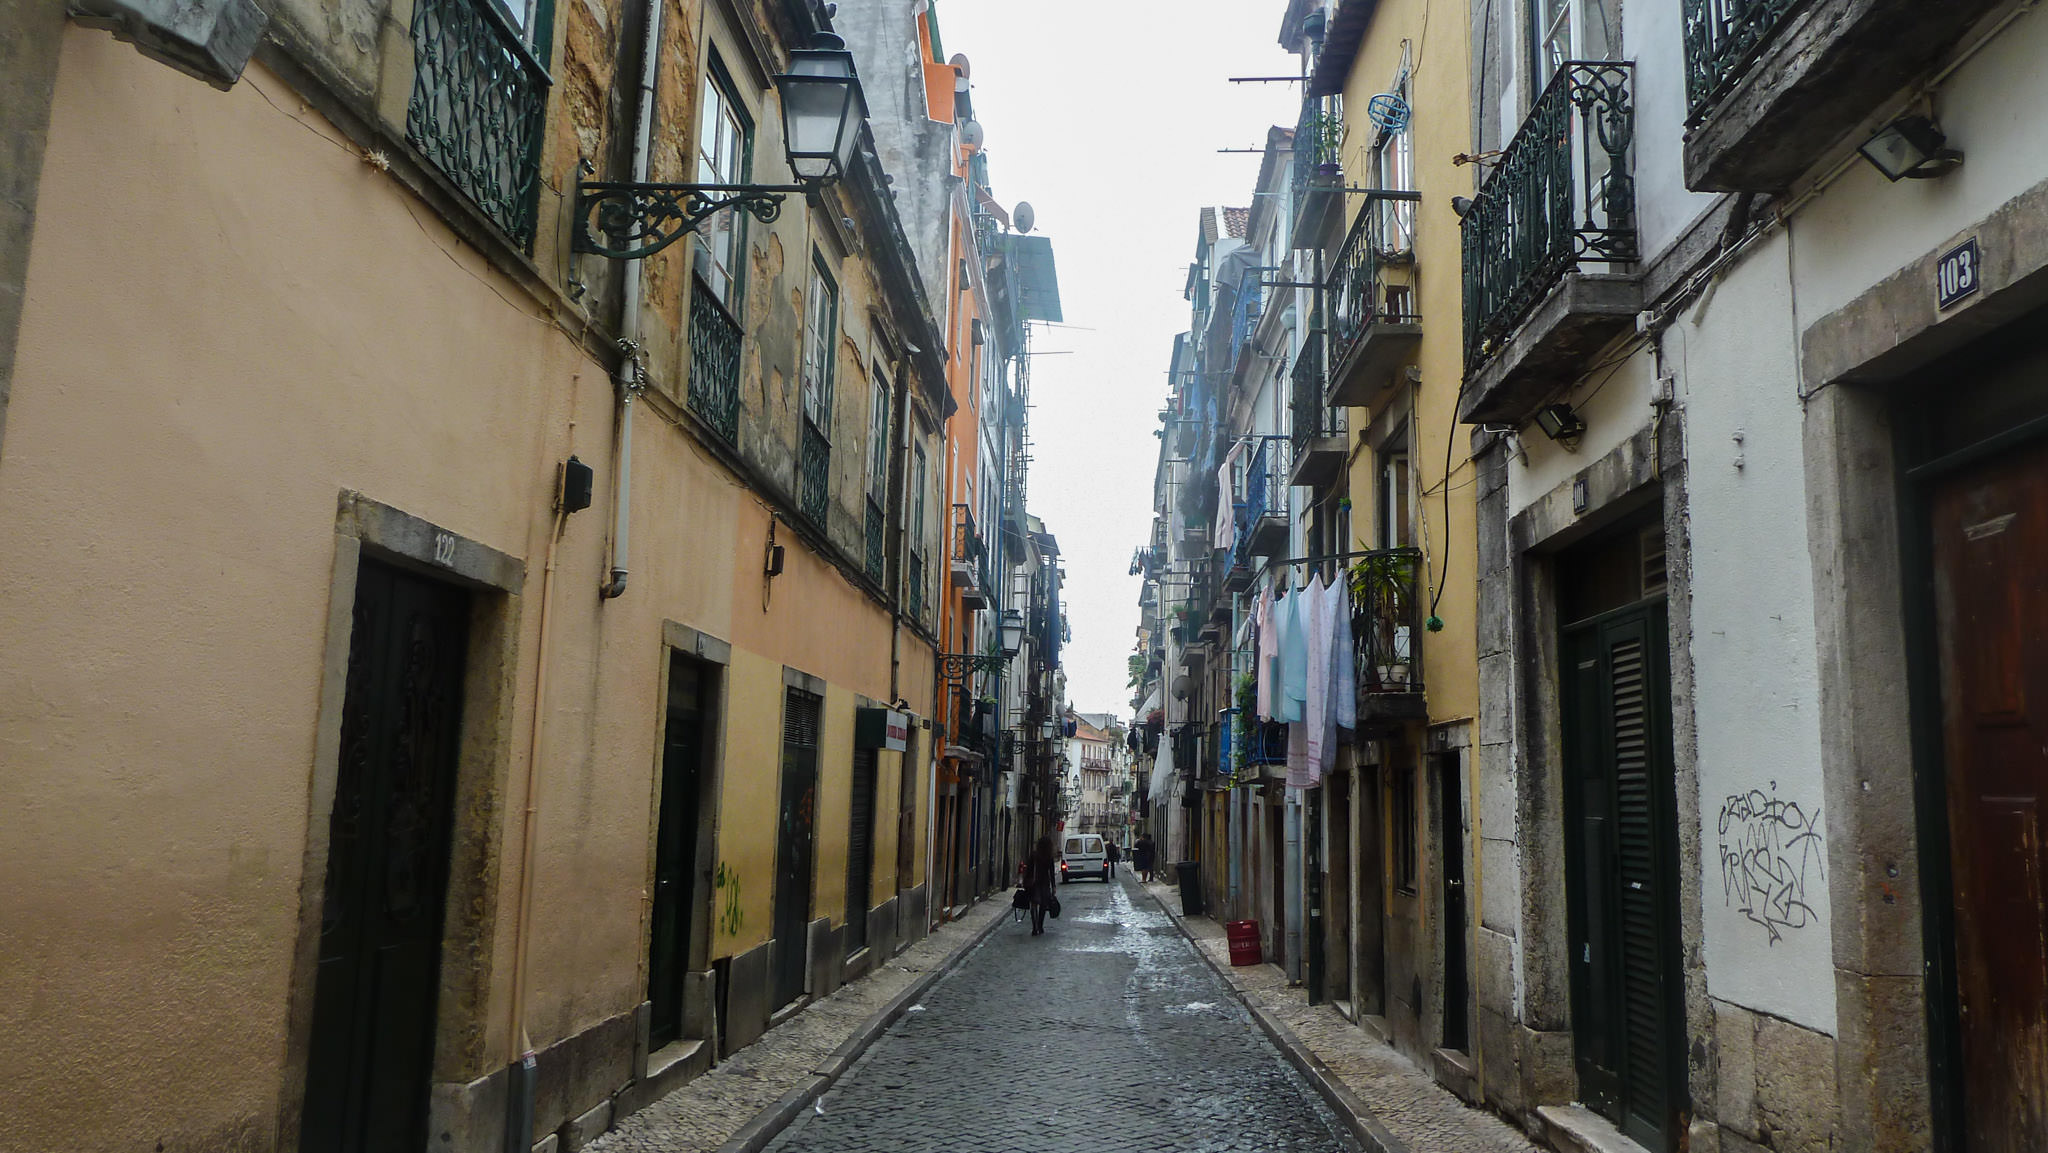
{"points": [[208, 39]]}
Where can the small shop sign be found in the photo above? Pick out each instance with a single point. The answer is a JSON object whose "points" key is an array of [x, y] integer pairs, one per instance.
{"points": [[884, 729]]}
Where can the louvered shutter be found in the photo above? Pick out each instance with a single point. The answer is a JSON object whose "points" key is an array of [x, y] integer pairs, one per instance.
{"points": [[1623, 821], [860, 850]]}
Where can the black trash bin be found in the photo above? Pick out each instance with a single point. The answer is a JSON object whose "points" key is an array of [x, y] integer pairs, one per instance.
{"points": [[1190, 888]]}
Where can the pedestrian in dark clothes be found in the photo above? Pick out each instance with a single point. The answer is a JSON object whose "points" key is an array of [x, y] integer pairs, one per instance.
{"points": [[1111, 855], [1142, 858], [1038, 881]]}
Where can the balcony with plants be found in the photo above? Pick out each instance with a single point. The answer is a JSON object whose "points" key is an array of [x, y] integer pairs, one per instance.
{"points": [[1375, 325], [1318, 184], [1771, 85], [1387, 622], [1320, 430], [1549, 244], [477, 110]]}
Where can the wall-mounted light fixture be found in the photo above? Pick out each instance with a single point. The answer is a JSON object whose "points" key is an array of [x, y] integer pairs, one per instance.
{"points": [[1013, 632], [1911, 148], [822, 113], [1561, 424]]}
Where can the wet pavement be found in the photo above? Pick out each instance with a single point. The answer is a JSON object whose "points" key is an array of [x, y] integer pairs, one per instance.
{"points": [[1108, 1033]]}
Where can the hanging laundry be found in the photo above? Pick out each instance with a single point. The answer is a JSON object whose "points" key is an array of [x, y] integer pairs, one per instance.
{"points": [[1316, 644], [1226, 504], [1343, 652], [1266, 659], [1292, 693]]}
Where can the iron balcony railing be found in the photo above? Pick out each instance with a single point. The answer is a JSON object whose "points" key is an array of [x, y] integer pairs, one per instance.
{"points": [[1263, 492], [967, 544], [714, 363], [1265, 743], [1723, 38], [878, 532], [479, 99], [969, 551], [1386, 620], [1312, 419], [1316, 138], [814, 471], [1359, 292], [1245, 309], [1562, 196]]}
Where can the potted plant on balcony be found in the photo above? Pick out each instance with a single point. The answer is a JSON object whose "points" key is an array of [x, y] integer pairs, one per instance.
{"points": [[1382, 585]]}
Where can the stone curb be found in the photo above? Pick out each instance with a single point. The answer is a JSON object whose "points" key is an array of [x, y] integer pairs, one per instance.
{"points": [[769, 1123], [1357, 1117]]}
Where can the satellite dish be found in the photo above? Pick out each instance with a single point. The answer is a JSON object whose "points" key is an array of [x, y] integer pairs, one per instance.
{"points": [[1023, 216], [970, 134]]}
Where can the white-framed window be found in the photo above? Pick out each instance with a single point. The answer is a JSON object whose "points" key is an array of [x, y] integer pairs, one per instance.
{"points": [[1397, 528], [1562, 30], [821, 328], [1393, 168], [722, 143], [920, 481]]}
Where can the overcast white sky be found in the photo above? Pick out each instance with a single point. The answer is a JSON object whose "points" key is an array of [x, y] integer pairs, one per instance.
{"points": [[1106, 115]]}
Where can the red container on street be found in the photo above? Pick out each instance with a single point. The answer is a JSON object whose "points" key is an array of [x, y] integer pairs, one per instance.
{"points": [[1244, 943]]}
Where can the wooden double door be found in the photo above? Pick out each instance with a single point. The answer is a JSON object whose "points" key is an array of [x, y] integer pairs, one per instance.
{"points": [[370, 1059], [1990, 527]]}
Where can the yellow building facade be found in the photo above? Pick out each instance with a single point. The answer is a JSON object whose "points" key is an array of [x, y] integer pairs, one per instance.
{"points": [[311, 650], [1394, 108]]}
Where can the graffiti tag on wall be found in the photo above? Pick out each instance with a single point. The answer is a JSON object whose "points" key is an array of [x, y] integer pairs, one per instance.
{"points": [[1770, 850], [731, 917]]}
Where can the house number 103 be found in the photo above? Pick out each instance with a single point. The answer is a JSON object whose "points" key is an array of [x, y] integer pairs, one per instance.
{"points": [[1958, 274]]}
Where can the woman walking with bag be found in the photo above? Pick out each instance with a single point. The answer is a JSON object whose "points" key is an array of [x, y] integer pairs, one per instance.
{"points": [[1038, 882]]}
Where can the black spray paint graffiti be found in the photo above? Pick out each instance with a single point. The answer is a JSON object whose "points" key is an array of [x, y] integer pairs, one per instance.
{"points": [[1770, 849]]}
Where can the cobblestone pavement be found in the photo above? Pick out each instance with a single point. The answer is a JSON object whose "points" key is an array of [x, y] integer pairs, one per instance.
{"points": [[1407, 1101], [1106, 1034], [705, 1113]]}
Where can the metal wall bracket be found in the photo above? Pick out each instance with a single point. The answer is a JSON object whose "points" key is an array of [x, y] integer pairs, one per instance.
{"points": [[636, 221], [958, 666]]}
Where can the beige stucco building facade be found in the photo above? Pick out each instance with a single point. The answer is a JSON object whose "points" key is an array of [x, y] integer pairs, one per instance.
{"points": [[278, 376]]}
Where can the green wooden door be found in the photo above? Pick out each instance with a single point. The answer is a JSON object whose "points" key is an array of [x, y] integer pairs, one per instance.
{"points": [[1621, 862], [675, 849], [795, 842]]}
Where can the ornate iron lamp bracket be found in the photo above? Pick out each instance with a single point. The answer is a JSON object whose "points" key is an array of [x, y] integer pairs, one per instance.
{"points": [[959, 666], [635, 221]]}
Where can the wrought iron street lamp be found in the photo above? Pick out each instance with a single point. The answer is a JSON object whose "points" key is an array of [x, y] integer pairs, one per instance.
{"points": [[822, 113], [1013, 632]]}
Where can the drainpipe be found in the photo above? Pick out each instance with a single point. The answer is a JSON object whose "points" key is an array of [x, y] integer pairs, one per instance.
{"points": [[519, 1130], [631, 376], [901, 586]]}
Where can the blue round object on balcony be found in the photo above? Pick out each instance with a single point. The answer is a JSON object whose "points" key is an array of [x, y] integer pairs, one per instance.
{"points": [[1388, 112]]}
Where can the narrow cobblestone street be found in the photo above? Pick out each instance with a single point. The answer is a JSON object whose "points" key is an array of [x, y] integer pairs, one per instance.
{"points": [[1108, 1033]]}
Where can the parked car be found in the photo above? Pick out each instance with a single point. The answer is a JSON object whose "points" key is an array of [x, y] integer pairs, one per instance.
{"points": [[1083, 856]]}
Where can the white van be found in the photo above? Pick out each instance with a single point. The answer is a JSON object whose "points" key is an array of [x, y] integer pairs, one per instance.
{"points": [[1083, 857]]}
